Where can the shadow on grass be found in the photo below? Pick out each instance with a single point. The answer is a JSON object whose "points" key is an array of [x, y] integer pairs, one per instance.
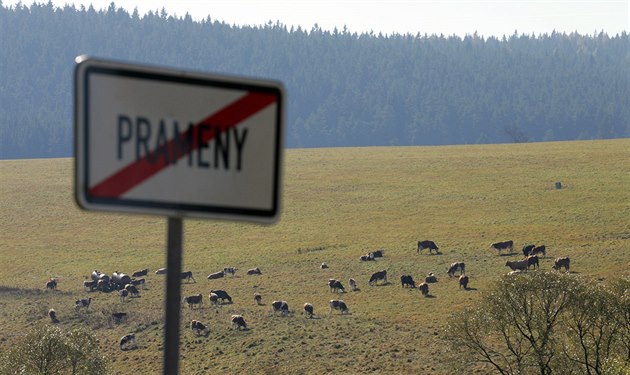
{"points": [[470, 289], [14, 291]]}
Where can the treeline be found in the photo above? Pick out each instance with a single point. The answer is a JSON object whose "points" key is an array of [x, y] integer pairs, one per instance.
{"points": [[344, 88]]}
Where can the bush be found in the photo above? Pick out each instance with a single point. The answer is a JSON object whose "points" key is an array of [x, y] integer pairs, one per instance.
{"points": [[545, 323], [48, 350]]}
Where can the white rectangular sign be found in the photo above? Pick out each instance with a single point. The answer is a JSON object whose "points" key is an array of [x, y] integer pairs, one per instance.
{"points": [[159, 141]]}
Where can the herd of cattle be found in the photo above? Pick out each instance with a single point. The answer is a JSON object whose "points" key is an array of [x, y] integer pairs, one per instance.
{"points": [[127, 286]]}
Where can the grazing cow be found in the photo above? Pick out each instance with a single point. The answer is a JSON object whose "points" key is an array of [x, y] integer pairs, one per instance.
{"points": [[308, 310], [222, 295], [378, 253], [427, 245], [199, 328], [337, 304], [528, 249], [161, 271], [463, 281], [136, 282], [353, 284], [257, 298], [128, 342], [280, 306], [407, 280], [51, 284], [78, 304], [366, 258], [539, 250], [254, 271], [188, 275], [119, 316], [89, 284], [123, 294], [323, 266], [193, 300], [133, 291], [216, 275], [238, 322], [214, 299], [505, 245], [561, 262], [140, 273], [52, 314], [517, 265], [424, 289], [376, 276], [229, 270], [461, 266], [431, 278], [336, 286], [532, 260]]}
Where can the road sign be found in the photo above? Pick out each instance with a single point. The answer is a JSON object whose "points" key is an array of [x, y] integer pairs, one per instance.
{"points": [[159, 141]]}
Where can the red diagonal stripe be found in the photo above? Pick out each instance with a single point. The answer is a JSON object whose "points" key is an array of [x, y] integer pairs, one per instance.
{"points": [[140, 170]]}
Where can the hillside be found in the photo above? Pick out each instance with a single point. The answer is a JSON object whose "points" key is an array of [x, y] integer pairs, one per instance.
{"points": [[338, 204], [344, 88]]}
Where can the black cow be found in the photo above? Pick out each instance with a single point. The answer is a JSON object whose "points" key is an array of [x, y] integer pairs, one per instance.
{"points": [[216, 275], [337, 304], [539, 250], [188, 275], [280, 306], [407, 280], [308, 310], [528, 249], [336, 285], [52, 314], [51, 284], [532, 260], [140, 273], [463, 281], [505, 245], [254, 271], [378, 253], [427, 245], [194, 300], [238, 322], [229, 270], [376, 276], [223, 295], [199, 328], [366, 258], [424, 289], [455, 267]]}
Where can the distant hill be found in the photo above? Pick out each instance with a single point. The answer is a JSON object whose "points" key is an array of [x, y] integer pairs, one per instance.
{"points": [[344, 88]]}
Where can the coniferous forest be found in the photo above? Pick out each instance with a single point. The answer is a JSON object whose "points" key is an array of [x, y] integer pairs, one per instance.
{"points": [[343, 88]]}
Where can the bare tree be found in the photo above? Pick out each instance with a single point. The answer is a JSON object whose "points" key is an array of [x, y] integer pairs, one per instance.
{"points": [[543, 323]]}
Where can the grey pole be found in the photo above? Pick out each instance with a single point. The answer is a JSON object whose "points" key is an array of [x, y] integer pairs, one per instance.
{"points": [[173, 295]]}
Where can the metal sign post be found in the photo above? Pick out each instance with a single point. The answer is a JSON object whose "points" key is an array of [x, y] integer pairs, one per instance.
{"points": [[173, 294], [178, 144]]}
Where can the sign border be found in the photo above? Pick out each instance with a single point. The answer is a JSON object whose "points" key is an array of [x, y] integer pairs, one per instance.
{"points": [[86, 66]]}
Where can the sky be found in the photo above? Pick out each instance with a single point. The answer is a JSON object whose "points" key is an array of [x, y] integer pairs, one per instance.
{"points": [[448, 17]]}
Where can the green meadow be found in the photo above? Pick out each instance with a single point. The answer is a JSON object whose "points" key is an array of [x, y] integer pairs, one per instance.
{"points": [[338, 204]]}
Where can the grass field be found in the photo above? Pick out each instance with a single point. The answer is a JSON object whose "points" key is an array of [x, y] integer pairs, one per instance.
{"points": [[338, 205]]}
